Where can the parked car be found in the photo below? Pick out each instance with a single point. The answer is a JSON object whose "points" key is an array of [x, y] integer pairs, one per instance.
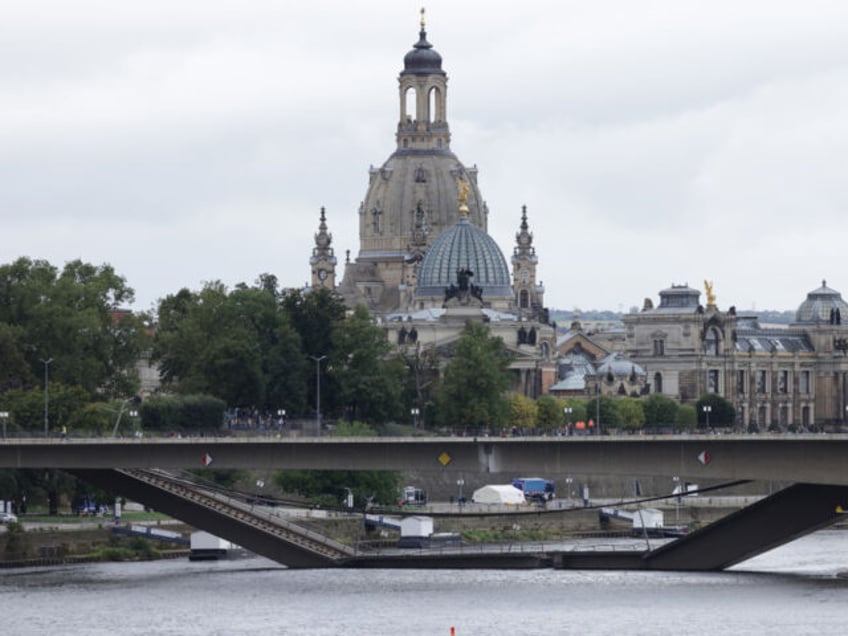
{"points": [[8, 517]]}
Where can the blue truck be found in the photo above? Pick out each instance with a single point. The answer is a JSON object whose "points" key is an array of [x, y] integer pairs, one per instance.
{"points": [[535, 488]]}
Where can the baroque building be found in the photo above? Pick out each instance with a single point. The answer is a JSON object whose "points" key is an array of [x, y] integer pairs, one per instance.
{"points": [[426, 263], [776, 377]]}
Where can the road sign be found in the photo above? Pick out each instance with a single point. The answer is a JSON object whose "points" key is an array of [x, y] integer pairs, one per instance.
{"points": [[206, 459], [704, 457]]}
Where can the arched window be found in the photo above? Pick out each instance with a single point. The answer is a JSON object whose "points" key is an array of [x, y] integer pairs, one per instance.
{"points": [[433, 105], [658, 385], [712, 342], [523, 299], [409, 105]]}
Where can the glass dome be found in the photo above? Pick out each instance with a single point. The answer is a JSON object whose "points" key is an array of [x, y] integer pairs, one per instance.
{"points": [[819, 304], [464, 247]]}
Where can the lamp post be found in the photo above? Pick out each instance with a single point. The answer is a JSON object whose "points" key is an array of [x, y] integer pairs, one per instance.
{"points": [[281, 413], [598, 409], [677, 500], [459, 484], [318, 391], [134, 414], [4, 415], [568, 481], [567, 411], [415, 412], [707, 410], [46, 397]]}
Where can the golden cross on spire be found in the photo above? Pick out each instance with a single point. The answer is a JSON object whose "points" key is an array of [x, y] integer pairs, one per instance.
{"points": [[422, 18]]}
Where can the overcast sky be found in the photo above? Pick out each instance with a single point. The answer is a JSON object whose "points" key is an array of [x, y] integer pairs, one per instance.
{"points": [[654, 142]]}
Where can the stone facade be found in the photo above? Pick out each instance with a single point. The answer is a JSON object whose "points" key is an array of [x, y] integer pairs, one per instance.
{"points": [[426, 264], [775, 377]]}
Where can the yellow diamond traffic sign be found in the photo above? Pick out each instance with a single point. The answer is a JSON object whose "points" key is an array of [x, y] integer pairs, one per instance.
{"points": [[445, 459]]}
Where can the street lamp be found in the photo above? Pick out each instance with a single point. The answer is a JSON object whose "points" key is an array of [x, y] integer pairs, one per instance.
{"points": [[4, 415], [460, 483], [415, 412], [677, 499], [281, 413], [598, 408], [318, 390], [567, 411], [707, 410], [46, 398], [568, 481]]}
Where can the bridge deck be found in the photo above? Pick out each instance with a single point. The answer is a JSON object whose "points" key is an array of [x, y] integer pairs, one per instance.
{"points": [[790, 458]]}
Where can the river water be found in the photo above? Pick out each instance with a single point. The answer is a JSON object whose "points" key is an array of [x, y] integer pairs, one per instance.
{"points": [[795, 589]]}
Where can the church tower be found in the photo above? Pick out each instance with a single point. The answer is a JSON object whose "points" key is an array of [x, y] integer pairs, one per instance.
{"points": [[529, 296], [323, 262], [410, 198], [423, 121]]}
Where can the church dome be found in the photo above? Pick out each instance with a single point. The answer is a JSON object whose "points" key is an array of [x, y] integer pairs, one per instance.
{"points": [[464, 247], [819, 304], [422, 59]]}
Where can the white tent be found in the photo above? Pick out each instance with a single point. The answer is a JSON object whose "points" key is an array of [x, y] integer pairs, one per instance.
{"points": [[498, 494]]}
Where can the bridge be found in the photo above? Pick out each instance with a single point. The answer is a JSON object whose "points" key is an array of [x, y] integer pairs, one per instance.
{"points": [[815, 459], [816, 462]]}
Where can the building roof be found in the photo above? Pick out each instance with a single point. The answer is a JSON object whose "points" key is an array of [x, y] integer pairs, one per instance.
{"points": [[464, 247], [819, 304], [618, 365], [677, 299], [423, 58], [772, 341]]}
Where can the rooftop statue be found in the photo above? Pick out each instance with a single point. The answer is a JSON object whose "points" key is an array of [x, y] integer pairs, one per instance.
{"points": [[711, 299]]}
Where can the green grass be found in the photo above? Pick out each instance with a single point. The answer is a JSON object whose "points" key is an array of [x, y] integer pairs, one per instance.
{"points": [[126, 517]]}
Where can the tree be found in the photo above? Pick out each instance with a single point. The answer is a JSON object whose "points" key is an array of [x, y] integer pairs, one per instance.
{"points": [[15, 373], [660, 410], [631, 412], [353, 428], [687, 417], [549, 413], [472, 394], [721, 411], [579, 410], [609, 414], [74, 319], [522, 412], [287, 370], [328, 487], [314, 316], [422, 380], [238, 346], [27, 406], [369, 384]]}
